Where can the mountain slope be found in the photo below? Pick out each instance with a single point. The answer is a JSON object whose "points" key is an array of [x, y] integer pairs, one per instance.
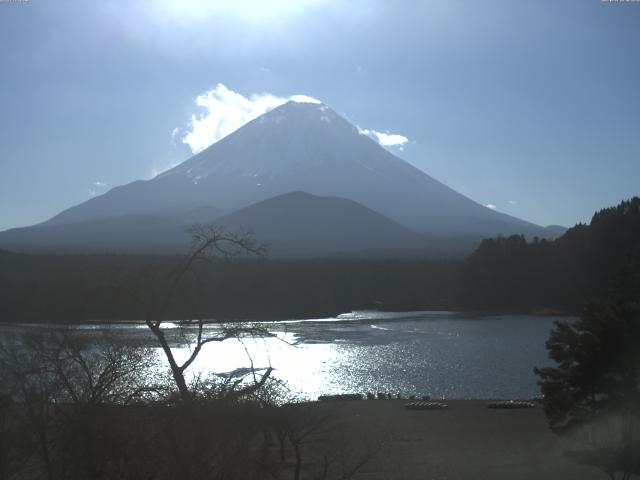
{"points": [[299, 223], [304, 147], [141, 233], [293, 224]]}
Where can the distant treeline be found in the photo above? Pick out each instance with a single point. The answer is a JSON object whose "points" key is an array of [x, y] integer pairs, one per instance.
{"points": [[580, 266], [61, 288], [503, 274]]}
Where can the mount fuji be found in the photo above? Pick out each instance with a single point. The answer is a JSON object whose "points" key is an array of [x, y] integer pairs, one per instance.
{"points": [[296, 147]]}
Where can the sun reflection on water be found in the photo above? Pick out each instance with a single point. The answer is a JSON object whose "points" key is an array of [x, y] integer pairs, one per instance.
{"points": [[441, 354], [307, 368], [416, 353]]}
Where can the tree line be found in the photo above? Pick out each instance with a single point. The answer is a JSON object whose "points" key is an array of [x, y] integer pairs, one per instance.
{"points": [[76, 288], [511, 273]]}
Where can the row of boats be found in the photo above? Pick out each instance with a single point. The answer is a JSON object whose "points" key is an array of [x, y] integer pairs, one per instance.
{"points": [[424, 404]]}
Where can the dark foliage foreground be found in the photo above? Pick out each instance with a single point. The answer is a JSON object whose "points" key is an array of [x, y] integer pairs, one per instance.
{"points": [[594, 391], [101, 410]]}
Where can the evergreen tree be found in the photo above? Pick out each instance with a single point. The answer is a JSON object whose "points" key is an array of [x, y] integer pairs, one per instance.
{"points": [[596, 383]]}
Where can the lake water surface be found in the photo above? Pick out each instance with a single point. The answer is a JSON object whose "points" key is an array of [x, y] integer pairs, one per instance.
{"points": [[442, 354]]}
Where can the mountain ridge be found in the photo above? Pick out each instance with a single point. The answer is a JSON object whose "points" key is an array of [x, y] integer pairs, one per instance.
{"points": [[298, 222], [305, 147], [292, 224], [296, 147]]}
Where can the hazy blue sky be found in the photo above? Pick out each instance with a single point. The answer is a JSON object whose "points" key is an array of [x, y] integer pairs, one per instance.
{"points": [[531, 106]]}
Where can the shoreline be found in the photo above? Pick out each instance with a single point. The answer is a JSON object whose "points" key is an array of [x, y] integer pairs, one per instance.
{"points": [[303, 318]]}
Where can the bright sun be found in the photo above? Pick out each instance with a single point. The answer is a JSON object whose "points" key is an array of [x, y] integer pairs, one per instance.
{"points": [[248, 10]]}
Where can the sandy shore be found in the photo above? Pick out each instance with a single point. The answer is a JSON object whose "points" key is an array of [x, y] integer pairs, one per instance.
{"points": [[466, 441]]}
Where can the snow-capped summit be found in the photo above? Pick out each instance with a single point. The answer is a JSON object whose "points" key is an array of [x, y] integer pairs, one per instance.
{"points": [[301, 146], [275, 144]]}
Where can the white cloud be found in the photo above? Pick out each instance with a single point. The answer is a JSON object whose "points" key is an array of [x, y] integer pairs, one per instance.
{"points": [[512, 202], [96, 188], [391, 139], [303, 99], [226, 111], [175, 134], [491, 206], [386, 139]]}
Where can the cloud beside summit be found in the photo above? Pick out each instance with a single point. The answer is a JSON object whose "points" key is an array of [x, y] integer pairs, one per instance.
{"points": [[225, 111]]}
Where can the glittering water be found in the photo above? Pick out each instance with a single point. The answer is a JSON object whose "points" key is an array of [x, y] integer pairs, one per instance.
{"points": [[443, 354]]}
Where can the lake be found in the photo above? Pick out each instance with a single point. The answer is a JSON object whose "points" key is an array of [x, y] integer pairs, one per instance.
{"points": [[442, 354]]}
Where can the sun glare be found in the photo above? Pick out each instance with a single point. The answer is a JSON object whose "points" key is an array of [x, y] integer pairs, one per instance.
{"points": [[247, 10]]}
